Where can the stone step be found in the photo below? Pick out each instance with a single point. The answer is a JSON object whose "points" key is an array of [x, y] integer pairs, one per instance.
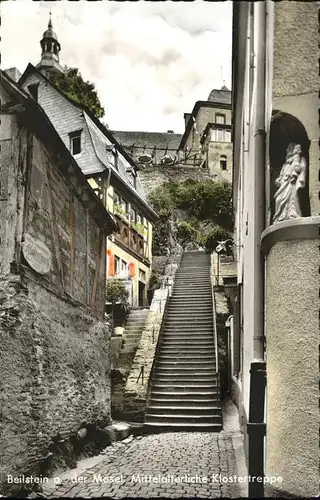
{"points": [[182, 396], [191, 294], [196, 278], [176, 427], [196, 378], [189, 387], [201, 285], [135, 323], [184, 306], [128, 349], [176, 322], [200, 371], [186, 370], [184, 360], [182, 419], [181, 343], [172, 409], [131, 342], [185, 403], [195, 321], [192, 285], [186, 339], [186, 349], [187, 300], [131, 329], [183, 365], [185, 310], [190, 331]]}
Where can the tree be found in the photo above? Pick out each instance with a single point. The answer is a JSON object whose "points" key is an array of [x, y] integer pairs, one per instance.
{"points": [[73, 85], [192, 206], [116, 292]]}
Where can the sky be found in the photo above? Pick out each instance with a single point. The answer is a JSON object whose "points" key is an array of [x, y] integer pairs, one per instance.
{"points": [[150, 61]]}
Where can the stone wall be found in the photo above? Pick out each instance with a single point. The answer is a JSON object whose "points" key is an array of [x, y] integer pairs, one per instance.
{"points": [[292, 333], [296, 79], [152, 177], [136, 391], [214, 152], [54, 357], [54, 369]]}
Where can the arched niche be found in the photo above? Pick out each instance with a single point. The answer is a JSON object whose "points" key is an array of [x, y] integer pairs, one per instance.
{"points": [[285, 129]]}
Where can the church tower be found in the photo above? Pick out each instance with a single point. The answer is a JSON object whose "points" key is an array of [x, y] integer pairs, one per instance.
{"points": [[50, 51]]}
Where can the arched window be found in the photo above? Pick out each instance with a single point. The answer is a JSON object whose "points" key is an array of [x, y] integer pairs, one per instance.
{"points": [[223, 162]]}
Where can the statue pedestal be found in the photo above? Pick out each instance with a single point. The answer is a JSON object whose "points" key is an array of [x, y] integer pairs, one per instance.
{"points": [[292, 335]]}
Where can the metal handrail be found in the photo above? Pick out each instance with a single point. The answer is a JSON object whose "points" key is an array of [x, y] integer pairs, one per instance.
{"points": [[141, 374], [214, 323]]}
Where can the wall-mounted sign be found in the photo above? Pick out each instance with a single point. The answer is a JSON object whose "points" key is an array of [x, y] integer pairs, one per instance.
{"points": [[37, 254]]}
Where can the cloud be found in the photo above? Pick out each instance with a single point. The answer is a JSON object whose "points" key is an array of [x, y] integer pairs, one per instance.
{"points": [[150, 61]]}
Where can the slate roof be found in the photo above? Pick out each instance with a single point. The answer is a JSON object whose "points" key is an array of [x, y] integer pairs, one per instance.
{"points": [[37, 119], [222, 96], [100, 143], [101, 138]]}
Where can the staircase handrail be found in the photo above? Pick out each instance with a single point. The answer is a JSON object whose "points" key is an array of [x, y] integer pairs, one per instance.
{"points": [[214, 324]]}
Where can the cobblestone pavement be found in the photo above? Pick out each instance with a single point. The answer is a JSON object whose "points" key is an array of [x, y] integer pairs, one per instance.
{"points": [[169, 465]]}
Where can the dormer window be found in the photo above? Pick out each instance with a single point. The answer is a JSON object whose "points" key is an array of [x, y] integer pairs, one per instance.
{"points": [[33, 90], [220, 118], [75, 142]]}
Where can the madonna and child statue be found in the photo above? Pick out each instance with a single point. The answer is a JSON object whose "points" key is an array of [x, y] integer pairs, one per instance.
{"points": [[291, 181]]}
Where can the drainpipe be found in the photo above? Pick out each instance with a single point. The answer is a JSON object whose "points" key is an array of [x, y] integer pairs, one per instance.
{"points": [[256, 427]]}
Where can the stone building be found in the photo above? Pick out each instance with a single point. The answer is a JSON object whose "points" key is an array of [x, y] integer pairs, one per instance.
{"points": [[108, 168], [54, 357], [202, 152], [275, 295], [206, 141]]}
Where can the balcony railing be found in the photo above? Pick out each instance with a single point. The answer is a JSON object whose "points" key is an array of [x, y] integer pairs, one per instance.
{"points": [[130, 237]]}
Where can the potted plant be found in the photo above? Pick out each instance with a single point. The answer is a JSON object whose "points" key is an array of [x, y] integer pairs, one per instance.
{"points": [[116, 293]]}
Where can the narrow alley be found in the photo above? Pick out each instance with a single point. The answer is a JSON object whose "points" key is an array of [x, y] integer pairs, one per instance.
{"points": [[169, 465]]}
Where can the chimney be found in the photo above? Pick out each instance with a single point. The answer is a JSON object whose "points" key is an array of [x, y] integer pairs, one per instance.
{"points": [[186, 117], [13, 73]]}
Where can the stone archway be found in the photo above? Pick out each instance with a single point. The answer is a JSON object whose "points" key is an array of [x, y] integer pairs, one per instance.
{"points": [[285, 129]]}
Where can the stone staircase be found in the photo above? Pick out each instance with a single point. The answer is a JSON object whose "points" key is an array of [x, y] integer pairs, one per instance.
{"points": [[185, 388], [133, 330]]}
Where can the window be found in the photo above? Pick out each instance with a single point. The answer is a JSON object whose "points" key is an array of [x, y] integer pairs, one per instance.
{"points": [[133, 215], [142, 275], [223, 162], [75, 142], [124, 206], [33, 90], [220, 118], [116, 265], [227, 136], [124, 269], [221, 135]]}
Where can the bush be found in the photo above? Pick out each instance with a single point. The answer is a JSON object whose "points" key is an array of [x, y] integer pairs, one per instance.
{"points": [[202, 201], [185, 232], [116, 293]]}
